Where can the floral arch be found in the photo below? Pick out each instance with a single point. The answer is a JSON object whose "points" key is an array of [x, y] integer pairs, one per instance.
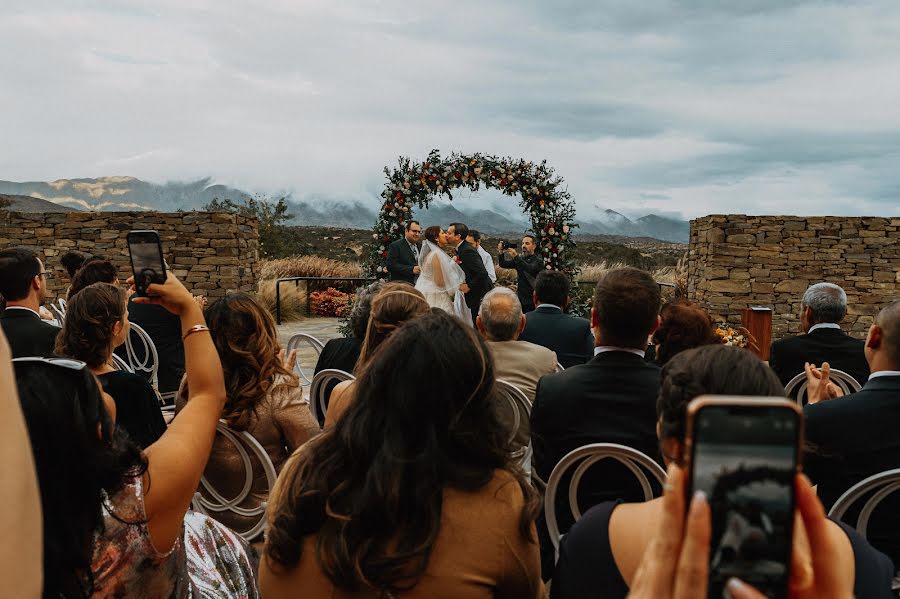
{"points": [[542, 197]]}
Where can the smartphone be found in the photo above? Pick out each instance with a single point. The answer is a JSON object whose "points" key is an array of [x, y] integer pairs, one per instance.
{"points": [[147, 261], [744, 454]]}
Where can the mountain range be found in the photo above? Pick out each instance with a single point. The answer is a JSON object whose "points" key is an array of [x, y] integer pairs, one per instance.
{"points": [[131, 194]]}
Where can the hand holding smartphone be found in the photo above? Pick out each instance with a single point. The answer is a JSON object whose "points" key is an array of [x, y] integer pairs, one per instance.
{"points": [[145, 250], [744, 455]]}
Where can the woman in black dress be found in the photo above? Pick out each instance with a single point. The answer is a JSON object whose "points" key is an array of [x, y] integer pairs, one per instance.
{"points": [[96, 323]]}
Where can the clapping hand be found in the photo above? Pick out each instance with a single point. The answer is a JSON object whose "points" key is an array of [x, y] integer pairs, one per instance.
{"points": [[818, 383], [290, 361]]}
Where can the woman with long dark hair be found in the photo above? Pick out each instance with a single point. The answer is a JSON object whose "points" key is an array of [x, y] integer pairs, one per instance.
{"points": [[115, 519], [264, 398], [412, 493], [96, 323]]}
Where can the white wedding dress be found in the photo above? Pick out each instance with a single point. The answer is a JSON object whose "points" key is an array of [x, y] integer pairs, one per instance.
{"points": [[439, 282]]}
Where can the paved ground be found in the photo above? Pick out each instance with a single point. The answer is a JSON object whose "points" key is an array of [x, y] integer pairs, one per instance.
{"points": [[322, 329]]}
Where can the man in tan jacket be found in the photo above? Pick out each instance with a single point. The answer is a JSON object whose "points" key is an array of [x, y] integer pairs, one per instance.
{"points": [[521, 363]]}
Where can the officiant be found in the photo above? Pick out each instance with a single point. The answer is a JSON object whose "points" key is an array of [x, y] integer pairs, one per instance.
{"points": [[403, 255]]}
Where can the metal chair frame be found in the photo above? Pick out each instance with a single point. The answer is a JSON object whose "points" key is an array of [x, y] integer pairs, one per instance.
{"points": [[586, 456], [559, 367], [317, 389], [294, 343], [61, 306], [521, 408], [880, 485], [246, 445], [846, 382], [142, 355], [121, 364]]}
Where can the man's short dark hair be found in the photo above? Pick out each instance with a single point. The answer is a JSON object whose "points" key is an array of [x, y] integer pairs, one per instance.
{"points": [[73, 260], [552, 287], [410, 223], [18, 268], [532, 236], [476, 235], [626, 302], [93, 271], [460, 229]]}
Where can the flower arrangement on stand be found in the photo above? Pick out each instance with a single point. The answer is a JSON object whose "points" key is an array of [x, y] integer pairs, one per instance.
{"points": [[738, 337], [542, 196]]}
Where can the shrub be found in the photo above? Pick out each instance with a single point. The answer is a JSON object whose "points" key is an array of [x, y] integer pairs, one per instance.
{"points": [[308, 266], [330, 302], [293, 299]]}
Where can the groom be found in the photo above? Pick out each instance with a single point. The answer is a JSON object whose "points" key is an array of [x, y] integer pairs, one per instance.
{"points": [[477, 281]]}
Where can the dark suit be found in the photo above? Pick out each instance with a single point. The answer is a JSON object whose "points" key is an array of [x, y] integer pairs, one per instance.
{"points": [[527, 268], [476, 276], [854, 437], [569, 336], [611, 399], [27, 333], [401, 260], [342, 354], [839, 349]]}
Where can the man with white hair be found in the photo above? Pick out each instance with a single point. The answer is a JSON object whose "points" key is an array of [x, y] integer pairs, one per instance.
{"points": [[823, 307], [521, 363]]}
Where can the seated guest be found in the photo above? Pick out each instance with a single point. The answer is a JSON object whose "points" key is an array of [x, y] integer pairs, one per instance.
{"points": [[684, 325], [95, 270], [343, 352], [115, 519], [603, 550], [20, 518], [856, 436], [412, 493], [569, 336], [264, 398], [500, 320], [73, 260], [823, 307], [677, 556], [164, 330], [611, 399], [23, 284], [393, 305], [96, 323]]}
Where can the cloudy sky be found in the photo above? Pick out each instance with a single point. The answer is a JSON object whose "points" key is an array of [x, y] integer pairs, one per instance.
{"points": [[693, 107]]}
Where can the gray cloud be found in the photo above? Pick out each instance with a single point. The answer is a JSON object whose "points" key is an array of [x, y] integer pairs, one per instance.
{"points": [[689, 106]]}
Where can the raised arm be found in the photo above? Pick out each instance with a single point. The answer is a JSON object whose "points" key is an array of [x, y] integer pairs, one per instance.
{"points": [[177, 460]]}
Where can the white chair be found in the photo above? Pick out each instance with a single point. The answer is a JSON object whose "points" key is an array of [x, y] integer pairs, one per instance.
{"points": [[295, 343], [585, 457], [59, 315], [846, 382], [559, 367], [520, 409], [142, 356], [213, 502], [120, 364], [320, 384], [61, 307]]}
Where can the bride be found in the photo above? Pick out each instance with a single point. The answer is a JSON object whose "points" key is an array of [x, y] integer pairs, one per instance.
{"points": [[441, 277]]}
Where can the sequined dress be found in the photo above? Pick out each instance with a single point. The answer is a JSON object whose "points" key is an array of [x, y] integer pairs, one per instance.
{"points": [[208, 561]]}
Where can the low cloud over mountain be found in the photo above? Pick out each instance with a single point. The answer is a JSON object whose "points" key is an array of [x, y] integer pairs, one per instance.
{"points": [[128, 193]]}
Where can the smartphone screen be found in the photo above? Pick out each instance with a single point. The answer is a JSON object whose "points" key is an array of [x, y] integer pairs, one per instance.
{"points": [[744, 458], [146, 259]]}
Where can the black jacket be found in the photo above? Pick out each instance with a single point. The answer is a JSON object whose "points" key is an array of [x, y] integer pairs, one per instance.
{"points": [[27, 333], [527, 268], [164, 329], [476, 276], [839, 349], [852, 438], [611, 399], [401, 261], [569, 336]]}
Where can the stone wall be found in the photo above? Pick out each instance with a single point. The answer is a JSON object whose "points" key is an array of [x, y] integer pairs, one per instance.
{"points": [[212, 253], [736, 261]]}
